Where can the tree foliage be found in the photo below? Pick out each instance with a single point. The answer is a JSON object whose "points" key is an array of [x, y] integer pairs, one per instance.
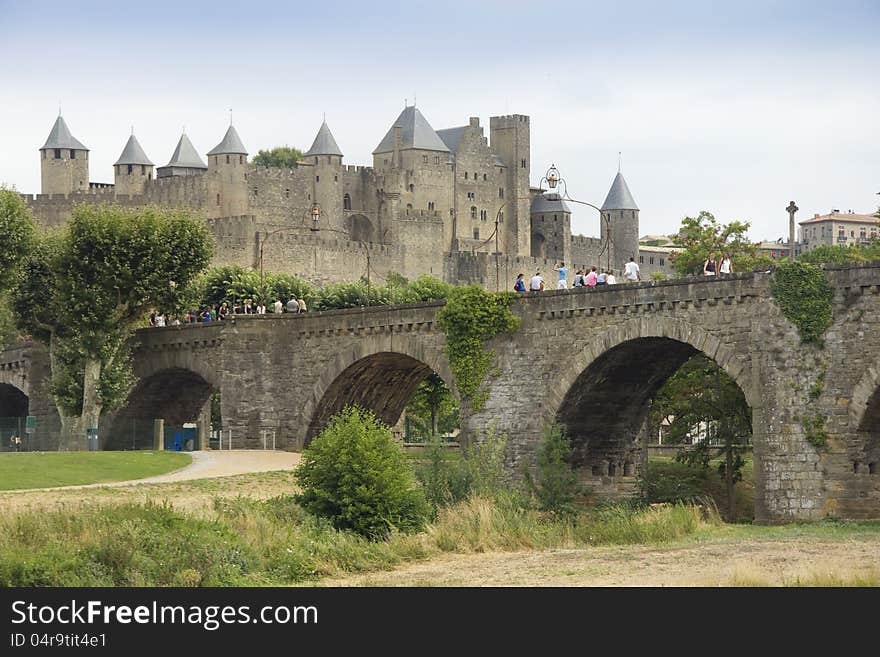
{"points": [[355, 475], [396, 291], [554, 485], [433, 409], [233, 284], [17, 234], [841, 253], [282, 157], [701, 399], [699, 236], [85, 289], [471, 317]]}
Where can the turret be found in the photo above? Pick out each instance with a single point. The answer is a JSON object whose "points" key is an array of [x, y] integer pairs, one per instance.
{"points": [[326, 157], [550, 227], [185, 161], [64, 162], [227, 168], [133, 169], [620, 221]]}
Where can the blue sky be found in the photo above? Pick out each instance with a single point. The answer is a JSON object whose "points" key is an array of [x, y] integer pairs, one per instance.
{"points": [[736, 108]]}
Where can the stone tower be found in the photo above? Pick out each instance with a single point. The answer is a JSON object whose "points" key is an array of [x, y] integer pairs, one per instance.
{"points": [[551, 228], [133, 169], [620, 221], [227, 183], [64, 162], [326, 157], [185, 161], [509, 137]]}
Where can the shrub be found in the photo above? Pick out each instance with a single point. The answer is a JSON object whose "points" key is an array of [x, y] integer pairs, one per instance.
{"points": [[355, 475], [555, 485], [442, 475]]}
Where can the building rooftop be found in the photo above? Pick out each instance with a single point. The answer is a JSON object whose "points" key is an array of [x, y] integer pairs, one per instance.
{"points": [[416, 133], [60, 137], [133, 153], [837, 215], [619, 196], [549, 203], [231, 145], [324, 143], [186, 156]]}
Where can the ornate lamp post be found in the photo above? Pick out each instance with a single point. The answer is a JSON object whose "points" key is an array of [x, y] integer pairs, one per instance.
{"points": [[554, 179]]}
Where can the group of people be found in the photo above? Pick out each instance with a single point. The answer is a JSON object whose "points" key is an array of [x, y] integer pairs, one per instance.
{"points": [[224, 312], [582, 277], [712, 267], [15, 443]]}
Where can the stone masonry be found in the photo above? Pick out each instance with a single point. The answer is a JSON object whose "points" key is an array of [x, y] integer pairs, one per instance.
{"points": [[589, 358]]}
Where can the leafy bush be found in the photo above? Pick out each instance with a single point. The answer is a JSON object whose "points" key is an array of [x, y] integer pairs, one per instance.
{"points": [[804, 296], [555, 485], [355, 475]]}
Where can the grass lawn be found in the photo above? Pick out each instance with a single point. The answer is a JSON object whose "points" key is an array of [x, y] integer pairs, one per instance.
{"points": [[47, 469]]}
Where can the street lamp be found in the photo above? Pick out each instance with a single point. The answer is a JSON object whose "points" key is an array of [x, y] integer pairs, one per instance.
{"points": [[314, 212], [554, 179]]}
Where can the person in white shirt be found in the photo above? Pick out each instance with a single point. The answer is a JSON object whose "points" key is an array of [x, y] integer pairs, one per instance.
{"points": [[725, 264], [261, 308], [536, 284], [631, 271], [609, 278], [279, 307]]}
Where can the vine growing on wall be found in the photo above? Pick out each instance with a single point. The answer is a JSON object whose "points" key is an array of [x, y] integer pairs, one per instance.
{"points": [[804, 296], [471, 317]]}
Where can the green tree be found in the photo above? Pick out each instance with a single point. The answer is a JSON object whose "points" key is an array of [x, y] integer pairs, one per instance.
{"points": [[701, 396], [282, 157], [17, 235], [433, 409], [841, 253], [86, 289], [358, 477], [700, 236], [8, 331], [554, 485]]}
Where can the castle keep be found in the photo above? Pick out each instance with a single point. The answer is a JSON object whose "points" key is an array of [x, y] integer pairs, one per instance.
{"points": [[428, 204]]}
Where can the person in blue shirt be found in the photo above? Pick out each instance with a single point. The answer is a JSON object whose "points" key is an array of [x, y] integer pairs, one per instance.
{"points": [[563, 275], [520, 285]]}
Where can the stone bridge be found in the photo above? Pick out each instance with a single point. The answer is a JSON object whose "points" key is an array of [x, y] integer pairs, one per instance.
{"points": [[590, 358]]}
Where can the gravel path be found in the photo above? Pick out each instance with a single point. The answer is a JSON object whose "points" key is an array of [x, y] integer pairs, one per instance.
{"points": [[206, 465]]}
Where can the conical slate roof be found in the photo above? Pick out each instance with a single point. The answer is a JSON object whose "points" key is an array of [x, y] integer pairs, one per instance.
{"points": [[186, 155], [324, 143], [549, 203], [417, 133], [231, 145], [619, 197], [133, 153], [60, 137]]}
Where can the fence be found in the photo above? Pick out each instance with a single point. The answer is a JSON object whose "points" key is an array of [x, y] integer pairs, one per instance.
{"points": [[11, 427]]}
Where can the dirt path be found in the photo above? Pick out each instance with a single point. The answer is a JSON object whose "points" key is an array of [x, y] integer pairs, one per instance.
{"points": [[205, 465], [748, 562]]}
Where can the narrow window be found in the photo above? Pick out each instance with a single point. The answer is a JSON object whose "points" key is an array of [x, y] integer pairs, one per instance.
{"points": [[485, 177], [412, 187], [465, 175], [218, 199], [57, 153], [473, 212], [256, 191], [436, 159], [522, 164], [287, 193], [130, 167], [346, 202], [408, 208], [661, 262], [641, 260], [335, 178], [227, 159], [500, 192], [72, 154], [651, 260], [476, 233], [424, 159], [317, 178], [241, 159], [143, 169]]}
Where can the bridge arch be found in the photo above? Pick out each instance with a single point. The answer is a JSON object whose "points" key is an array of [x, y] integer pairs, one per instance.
{"points": [[864, 410], [375, 374], [603, 395], [176, 395]]}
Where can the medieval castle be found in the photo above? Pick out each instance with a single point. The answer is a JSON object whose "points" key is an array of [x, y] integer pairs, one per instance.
{"points": [[451, 203]]}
